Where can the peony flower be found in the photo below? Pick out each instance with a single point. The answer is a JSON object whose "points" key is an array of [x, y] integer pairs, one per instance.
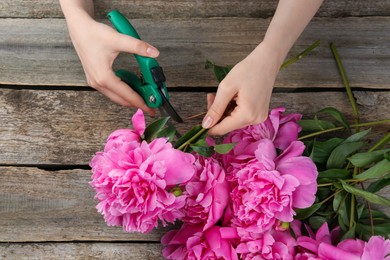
{"points": [[280, 129], [191, 243], [323, 245], [133, 179], [377, 248], [120, 136], [207, 193], [270, 187], [268, 245]]}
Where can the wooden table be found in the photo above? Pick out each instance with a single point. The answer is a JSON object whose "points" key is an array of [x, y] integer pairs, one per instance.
{"points": [[51, 122]]}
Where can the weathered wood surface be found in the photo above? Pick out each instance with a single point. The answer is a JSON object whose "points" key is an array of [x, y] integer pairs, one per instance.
{"points": [[68, 127], [190, 8], [39, 51], [82, 251], [39, 205]]}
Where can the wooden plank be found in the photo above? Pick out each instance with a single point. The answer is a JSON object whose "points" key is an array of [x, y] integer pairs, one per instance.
{"points": [[42, 127], [39, 51], [82, 251], [39, 205], [188, 8]]}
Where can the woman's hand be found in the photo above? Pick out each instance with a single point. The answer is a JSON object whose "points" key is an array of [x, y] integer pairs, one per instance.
{"points": [[249, 84], [97, 46]]}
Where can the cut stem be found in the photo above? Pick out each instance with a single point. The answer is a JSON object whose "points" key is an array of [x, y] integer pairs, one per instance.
{"points": [[381, 143], [346, 84], [385, 121], [300, 55], [184, 145]]}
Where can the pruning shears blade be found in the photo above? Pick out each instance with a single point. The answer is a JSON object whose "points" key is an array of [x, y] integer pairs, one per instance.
{"points": [[168, 108]]}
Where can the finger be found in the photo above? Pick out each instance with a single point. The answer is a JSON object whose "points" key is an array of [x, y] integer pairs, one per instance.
{"points": [[126, 93], [130, 44], [218, 107], [228, 124], [210, 100]]}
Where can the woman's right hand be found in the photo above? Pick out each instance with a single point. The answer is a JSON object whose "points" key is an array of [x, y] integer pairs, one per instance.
{"points": [[97, 46]]}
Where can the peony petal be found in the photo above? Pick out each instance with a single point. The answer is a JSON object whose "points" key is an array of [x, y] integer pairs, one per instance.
{"points": [[287, 134], [327, 251], [353, 246], [295, 149], [376, 248], [304, 196], [302, 168], [138, 121], [180, 166]]}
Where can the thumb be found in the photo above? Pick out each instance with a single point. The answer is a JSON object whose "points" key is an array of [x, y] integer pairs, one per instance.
{"points": [[217, 108], [130, 44]]}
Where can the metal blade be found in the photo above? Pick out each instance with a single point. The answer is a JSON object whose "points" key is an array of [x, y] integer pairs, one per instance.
{"points": [[168, 108]]}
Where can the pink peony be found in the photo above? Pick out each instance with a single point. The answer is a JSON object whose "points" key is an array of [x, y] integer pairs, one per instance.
{"points": [[207, 193], [268, 245], [377, 248], [270, 187], [191, 243], [120, 136], [323, 245], [280, 129], [132, 180]]}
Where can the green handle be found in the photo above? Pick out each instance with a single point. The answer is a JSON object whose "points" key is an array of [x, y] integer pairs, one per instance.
{"points": [[150, 94]]}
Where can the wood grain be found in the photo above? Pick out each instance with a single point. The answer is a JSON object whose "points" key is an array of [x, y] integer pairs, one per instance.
{"points": [[39, 52], [81, 251], [43, 127], [39, 205], [189, 8]]}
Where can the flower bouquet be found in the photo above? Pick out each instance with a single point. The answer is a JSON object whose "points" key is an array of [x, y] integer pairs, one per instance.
{"points": [[276, 190]]}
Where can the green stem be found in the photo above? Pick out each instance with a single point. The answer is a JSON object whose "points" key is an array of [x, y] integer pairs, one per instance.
{"points": [[300, 55], [328, 198], [352, 218], [325, 184], [381, 143], [342, 127], [346, 84], [188, 142]]}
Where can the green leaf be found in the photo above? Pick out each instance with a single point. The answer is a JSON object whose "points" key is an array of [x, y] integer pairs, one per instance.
{"points": [[307, 212], [349, 234], [312, 125], [339, 155], [205, 151], [376, 215], [336, 114], [316, 222], [152, 129], [340, 205], [335, 174], [379, 229], [224, 148], [192, 132], [378, 185], [379, 170], [321, 150], [219, 71], [371, 197], [338, 200], [359, 209], [358, 136], [363, 159], [168, 132]]}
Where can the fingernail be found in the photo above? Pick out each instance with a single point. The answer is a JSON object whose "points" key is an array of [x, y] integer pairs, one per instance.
{"points": [[207, 122], [151, 51]]}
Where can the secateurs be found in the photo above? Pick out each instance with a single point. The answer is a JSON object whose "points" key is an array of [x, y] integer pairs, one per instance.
{"points": [[151, 87]]}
